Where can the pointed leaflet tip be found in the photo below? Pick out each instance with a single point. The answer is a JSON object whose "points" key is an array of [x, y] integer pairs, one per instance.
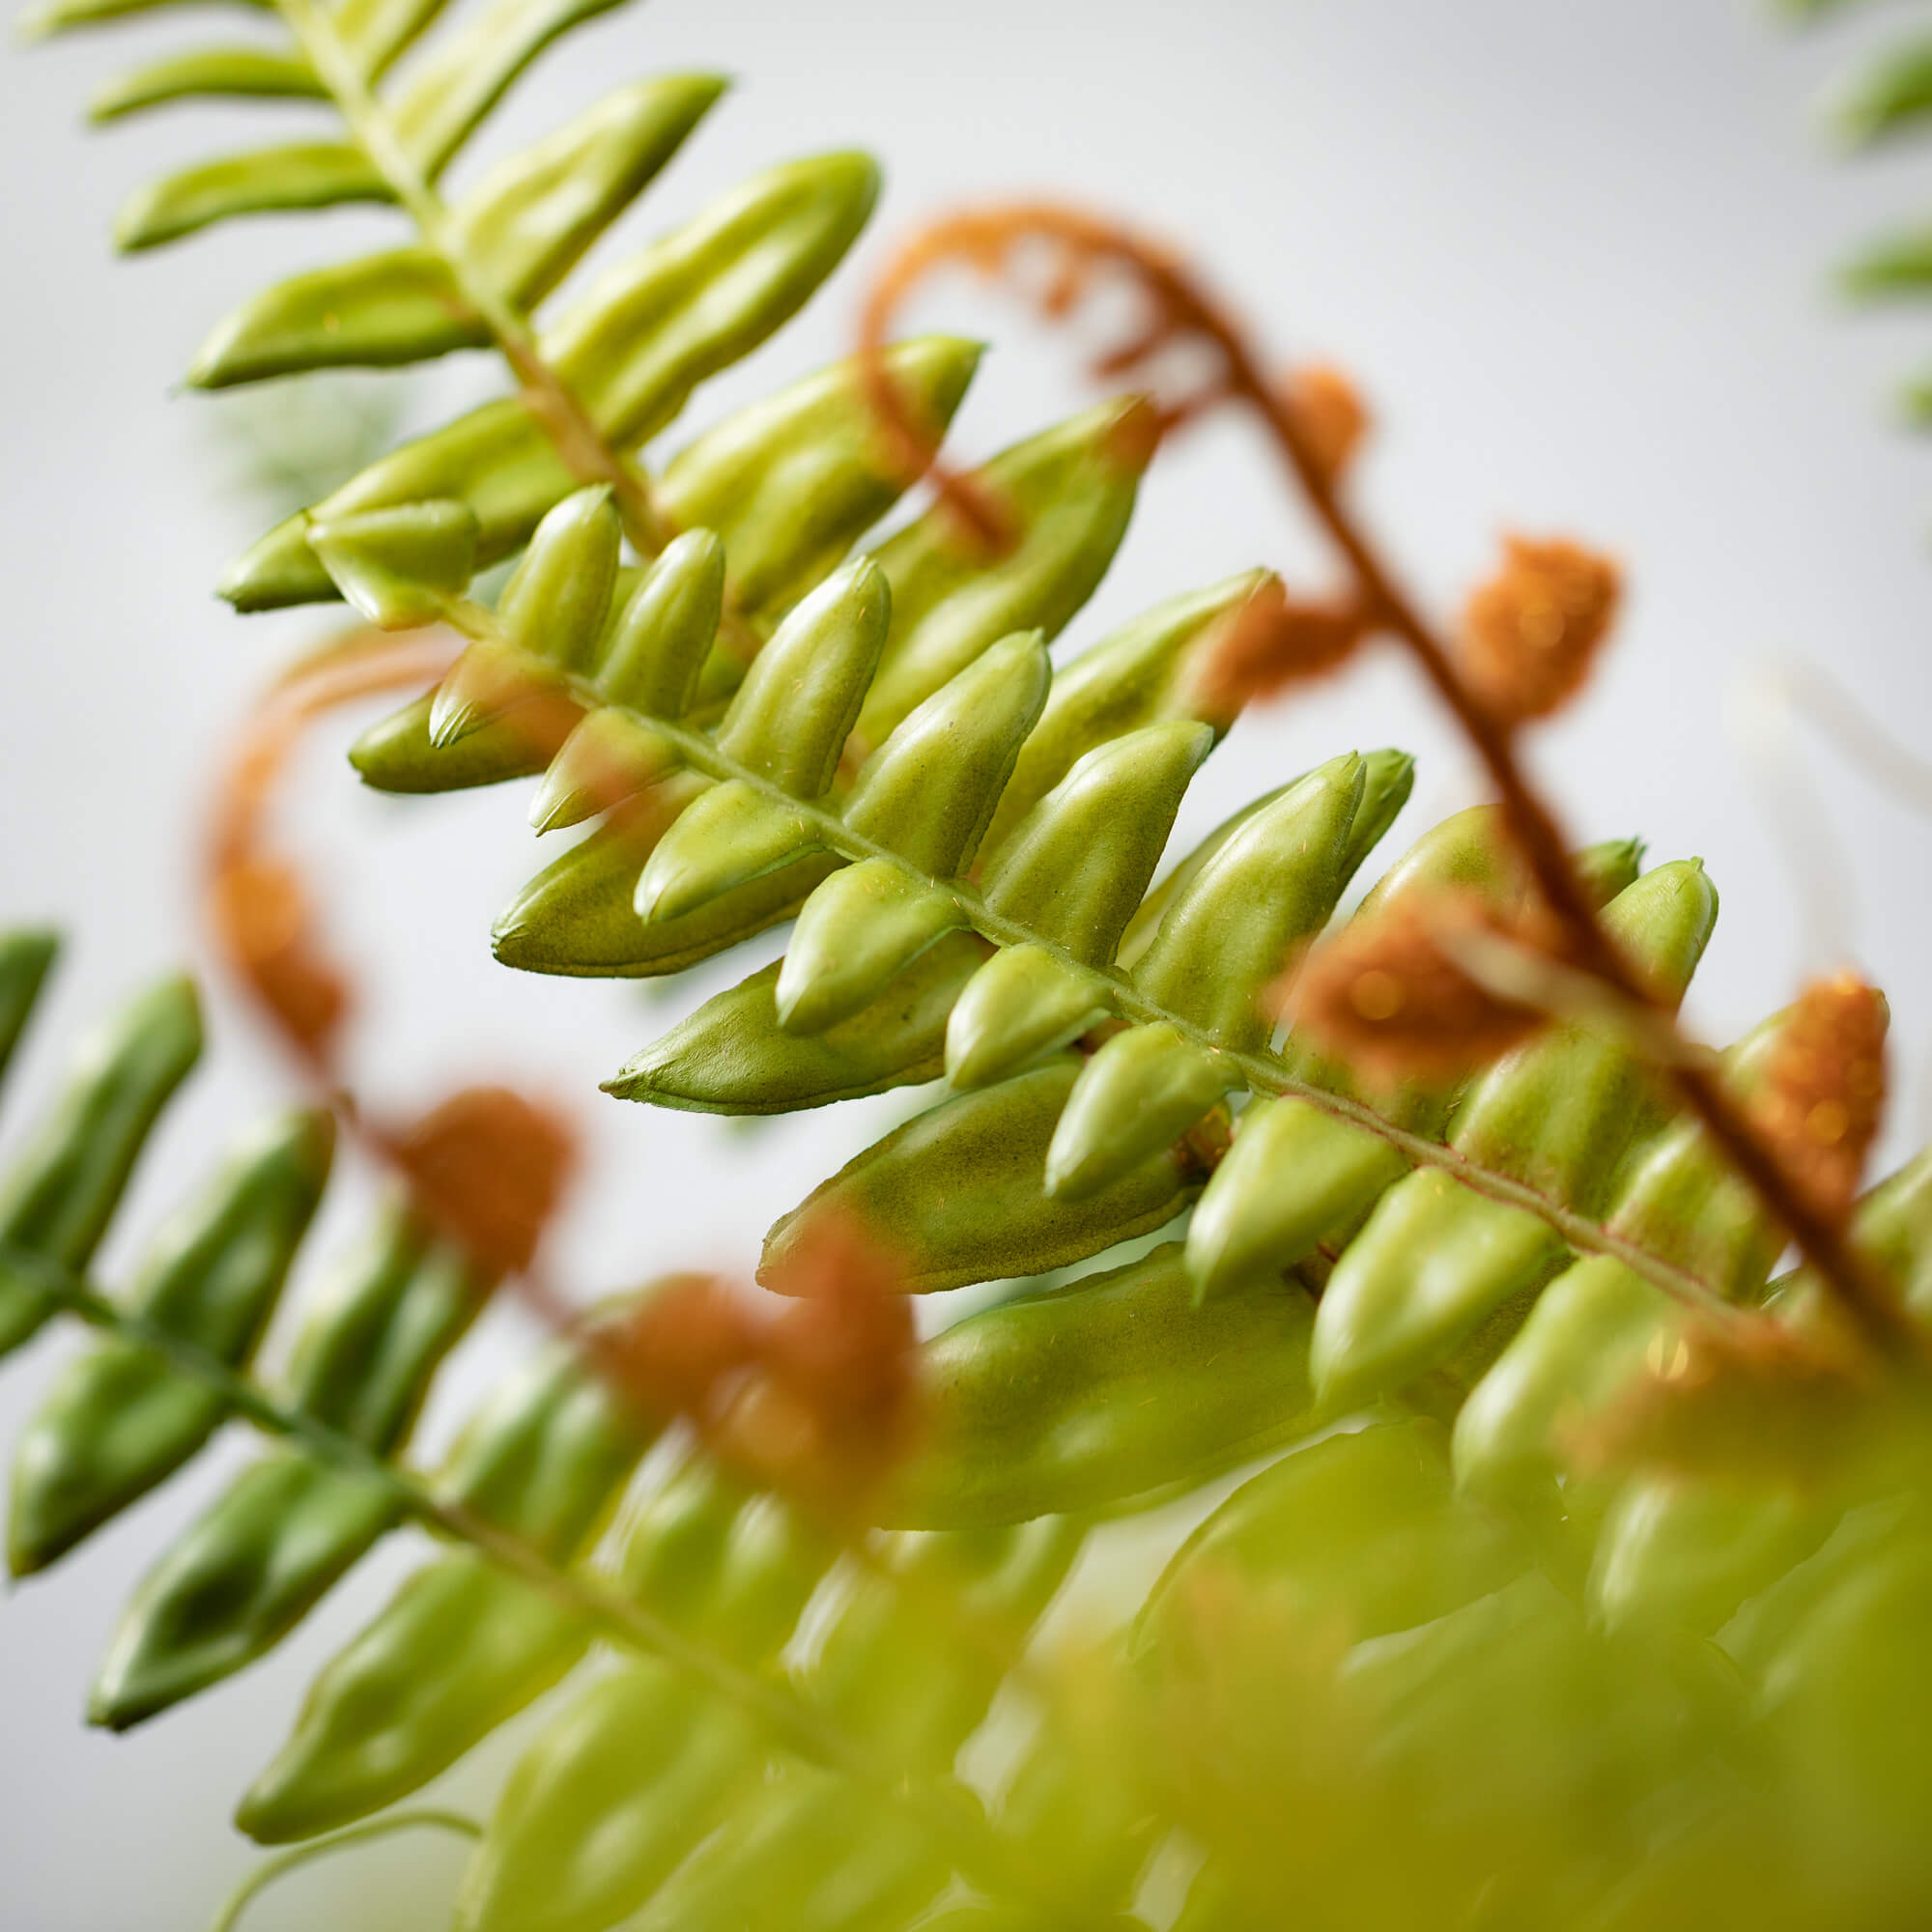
{"points": [[1388, 779], [1142, 1090], [1023, 1003], [1293, 1178], [400, 567], [554, 808], [26, 956], [929, 791], [651, 656], [1269, 885], [559, 596], [276, 570], [395, 754], [451, 719], [491, 680], [1075, 868], [790, 718], [728, 836], [608, 757], [854, 936], [1607, 868]]}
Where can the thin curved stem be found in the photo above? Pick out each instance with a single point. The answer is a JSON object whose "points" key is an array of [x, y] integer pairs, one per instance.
{"points": [[240, 844], [1183, 307], [1858, 738], [270, 1870], [1823, 1242]]}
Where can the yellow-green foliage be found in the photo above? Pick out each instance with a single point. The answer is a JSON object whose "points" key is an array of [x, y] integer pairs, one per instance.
{"points": [[1455, 1654]]}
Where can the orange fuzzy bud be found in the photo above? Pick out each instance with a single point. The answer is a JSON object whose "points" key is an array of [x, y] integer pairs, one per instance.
{"points": [[1825, 1089], [842, 1352], [818, 1400], [488, 1166], [1270, 642], [1329, 416], [677, 1355], [1531, 632], [1384, 995]]}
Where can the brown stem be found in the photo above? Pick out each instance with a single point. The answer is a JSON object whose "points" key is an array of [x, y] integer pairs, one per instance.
{"points": [[267, 927], [1820, 1240], [1183, 306], [357, 666]]}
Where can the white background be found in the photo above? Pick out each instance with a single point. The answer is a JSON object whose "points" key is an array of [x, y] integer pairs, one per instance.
{"points": [[1576, 253]]}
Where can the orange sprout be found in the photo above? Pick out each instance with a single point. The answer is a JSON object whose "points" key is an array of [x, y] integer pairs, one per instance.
{"points": [[817, 1400], [1177, 315], [487, 1167], [837, 1406], [1328, 410], [1532, 632], [1825, 1089], [678, 1351], [265, 925], [1386, 994], [261, 913], [1271, 643]]}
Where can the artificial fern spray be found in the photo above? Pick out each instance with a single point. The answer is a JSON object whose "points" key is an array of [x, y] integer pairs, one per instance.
{"points": [[1532, 1403]]}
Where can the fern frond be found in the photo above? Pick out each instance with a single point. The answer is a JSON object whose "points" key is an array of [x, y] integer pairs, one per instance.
{"points": [[207, 73], [606, 375], [265, 180], [716, 1581], [747, 837], [528, 1488], [1886, 100], [63, 1191], [1889, 98], [1402, 1627]]}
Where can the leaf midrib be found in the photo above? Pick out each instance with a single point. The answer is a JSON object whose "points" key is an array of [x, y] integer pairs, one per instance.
{"points": [[1261, 1072]]}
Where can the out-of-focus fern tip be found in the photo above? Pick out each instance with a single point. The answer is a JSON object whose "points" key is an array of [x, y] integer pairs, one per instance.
{"points": [[1521, 1616], [26, 958], [1889, 98]]}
